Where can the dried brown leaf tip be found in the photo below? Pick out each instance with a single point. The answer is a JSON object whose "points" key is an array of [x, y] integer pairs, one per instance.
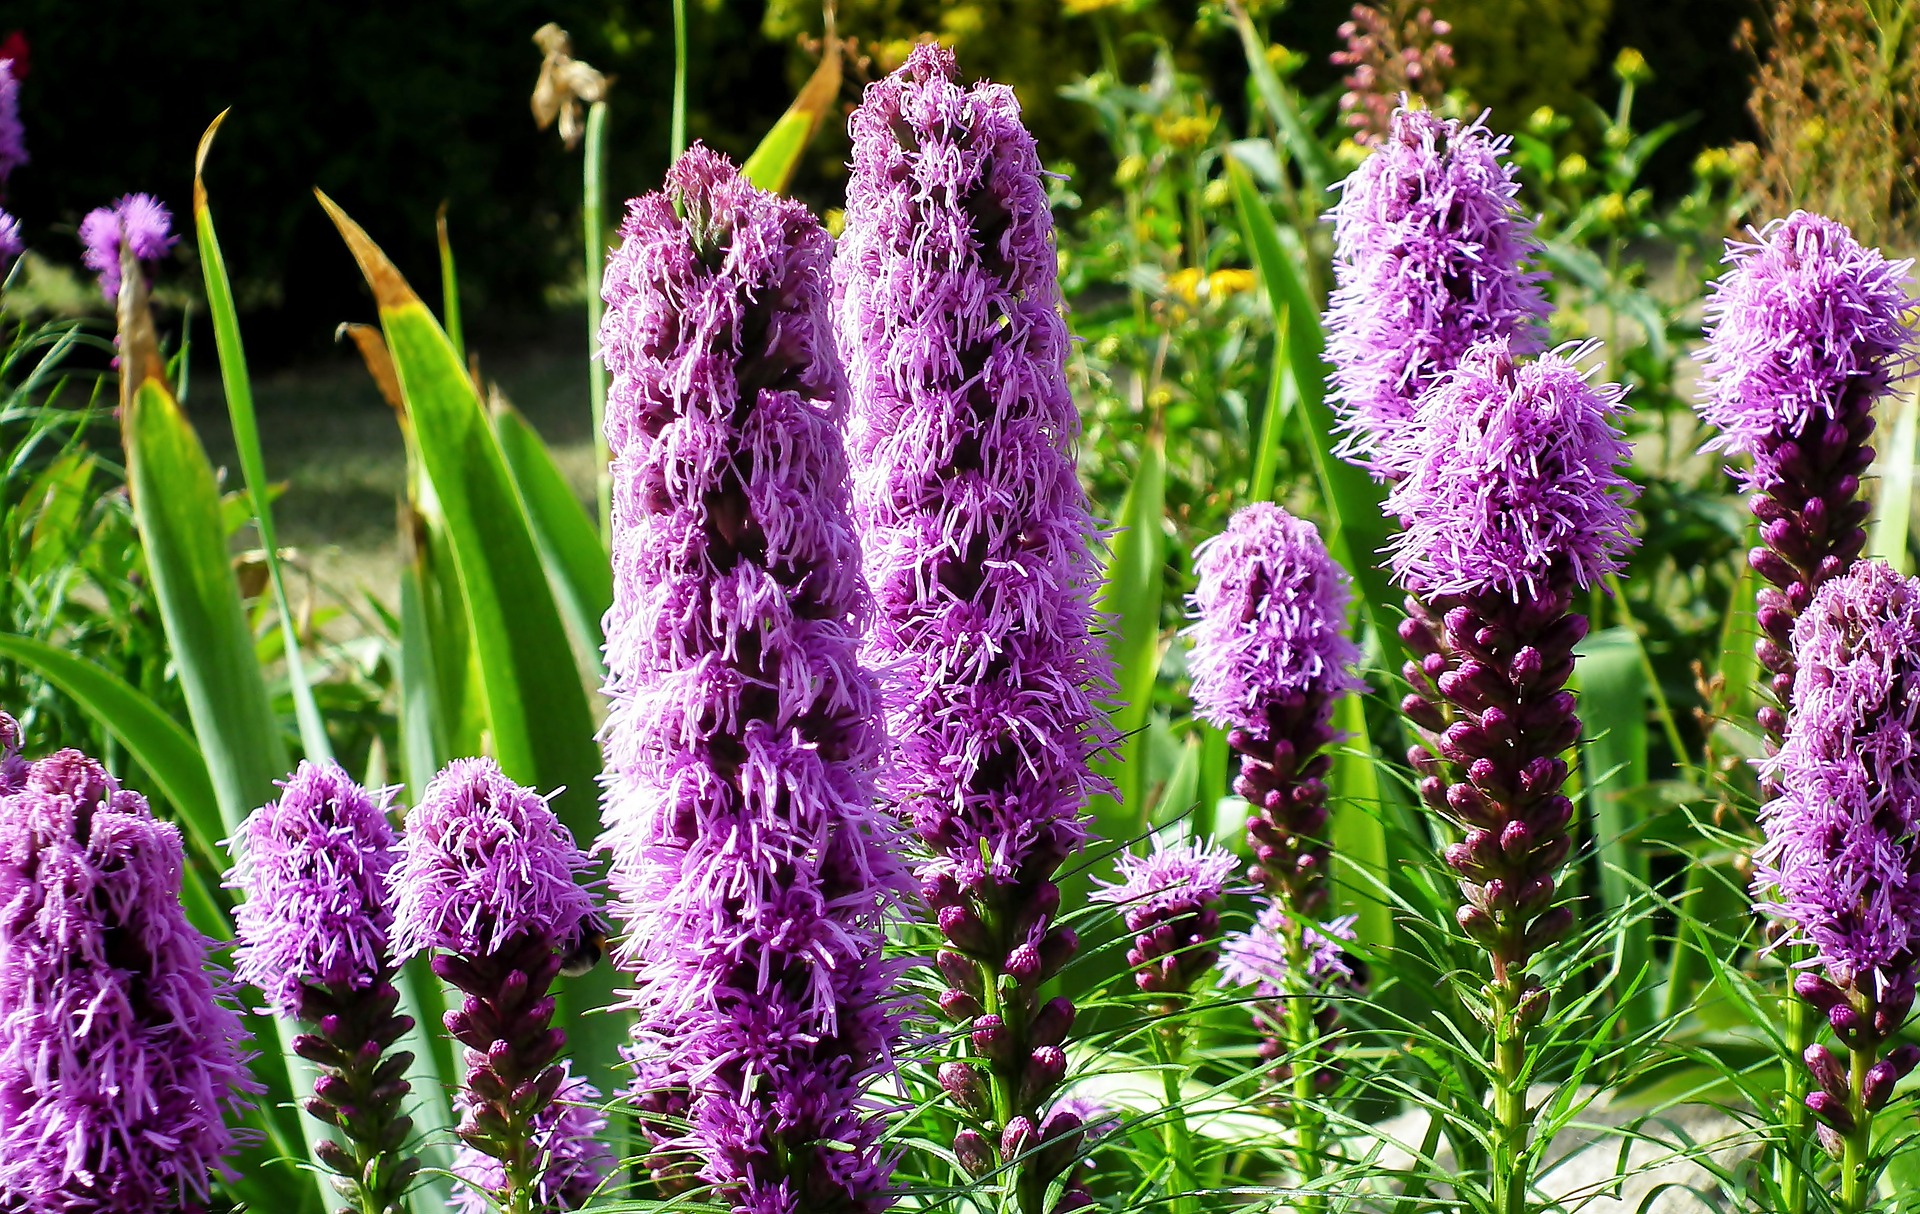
{"points": [[565, 84]]}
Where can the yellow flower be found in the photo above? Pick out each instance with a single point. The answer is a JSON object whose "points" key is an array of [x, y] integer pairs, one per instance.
{"points": [[1222, 283], [1131, 170], [1185, 283], [1218, 193], [1542, 119], [1186, 131], [1630, 66], [1613, 209], [836, 220], [1081, 8], [1573, 168]]}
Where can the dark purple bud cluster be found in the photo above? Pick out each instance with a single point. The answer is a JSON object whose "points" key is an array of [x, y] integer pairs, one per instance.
{"points": [[1170, 899], [361, 1086], [1863, 1022]]}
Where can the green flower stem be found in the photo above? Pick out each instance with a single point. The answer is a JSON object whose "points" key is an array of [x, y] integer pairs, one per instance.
{"points": [[1303, 1045], [1510, 1171], [1856, 1171], [593, 211], [1787, 1172], [1170, 1047]]}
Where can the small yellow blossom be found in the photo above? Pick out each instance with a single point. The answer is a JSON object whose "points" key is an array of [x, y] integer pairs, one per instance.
{"points": [[1630, 66], [1573, 168], [1223, 283], [836, 220], [1185, 284], [1130, 170], [1613, 209], [1541, 121], [1186, 131], [1081, 8], [1218, 193]]}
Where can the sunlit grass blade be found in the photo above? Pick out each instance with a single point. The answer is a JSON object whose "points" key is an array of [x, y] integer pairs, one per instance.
{"points": [[1893, 513], [246, 441], [449, 285], [772, 164], [1316, 166], [1611, 680], [593, 222], [1358, 836], [577, 566], [1280, 395], [1130, 601]]}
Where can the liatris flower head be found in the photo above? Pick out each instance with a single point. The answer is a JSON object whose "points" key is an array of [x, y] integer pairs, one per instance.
{"points": [[1429, 258], [11, 245], [1170, 898], [13, 138], [1805, 329], [1511, 479], [138, 222], [13, 768], [572, 1160], [120, 1055], [1258, 957], [1391, 50], [313, 865], [484, 862], [752, 864]]}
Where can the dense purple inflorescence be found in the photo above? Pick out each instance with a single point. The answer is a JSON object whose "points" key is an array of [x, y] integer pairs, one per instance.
{"points": [[120, 1057], [13, 136], [313, 865], [1840, 868], [571, 1158], [1293, 964], [977, 538], [13, 767], [136, 221], [1429, 259], [1270, 658], [1170, 899], [1512, 503], [752, 867], [1805, 332]]}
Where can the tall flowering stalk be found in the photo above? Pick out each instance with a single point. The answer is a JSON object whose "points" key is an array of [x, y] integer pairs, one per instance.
{"points": [[137, 222], [1840, 868], [13, 136], [121, 1056], [487, 881], [1512, 504], [313, 936], [1430, 251], [977, 545], [1393, 48], [1270, 659], [565, 1137], [753, 870], [1804, 336]]}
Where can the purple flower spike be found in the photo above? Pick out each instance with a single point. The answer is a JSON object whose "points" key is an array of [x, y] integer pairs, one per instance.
{"points": [[136, 221], [313, 937], [11, 245], [1286, 960], [488, 876], [121, 1056], [1270, 658], [13, 768], [753, 869], [1170, 898], [1429, 248], [313, 866], [572, 1159], [978, 542], [1840, 867], [1805, 332], [13, 136]]}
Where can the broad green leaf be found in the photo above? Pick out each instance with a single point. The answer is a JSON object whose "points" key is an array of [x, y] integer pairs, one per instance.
{"points": [[246, 441], [57, 498], [1280, 396], [1893, 513], [1355, 830], [1611, 680], [577, 566], [1130, 600], [536, 708], [772, 164]]}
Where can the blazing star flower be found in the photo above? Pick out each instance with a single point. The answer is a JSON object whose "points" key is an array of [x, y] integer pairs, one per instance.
{"points": [[571, 1158], [121, 1057], [1429, 249], [1270, 658], [11, 245], [13, 136], [136, 221], [1805, 332], [313, 865], [977, 538], [13, 768], [1840, 867], [1170, 898], [1510, 479], [752, 867], [1259, 956]]}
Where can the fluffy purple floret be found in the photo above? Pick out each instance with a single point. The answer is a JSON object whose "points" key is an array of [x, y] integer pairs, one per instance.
{"points": [[1429, 249], [1176, 879], [11, 244], [120, 1055], [484, 861], [1511, 479], [1270, 619], [1841, 862], [13, 136], [137, 221], [1803, 317], [313, 866], [13, 768], [752, 866], [565, 1137], [978, 539], [1258, 957]]}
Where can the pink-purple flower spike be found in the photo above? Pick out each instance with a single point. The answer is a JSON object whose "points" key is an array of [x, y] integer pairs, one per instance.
{"points": [[571, 1158], [1805, 333], [121, 1057], [137, 221], [1840, 867], [978, 548], [752, 867], [1430, 253], [1170, 899], [13, 137]]}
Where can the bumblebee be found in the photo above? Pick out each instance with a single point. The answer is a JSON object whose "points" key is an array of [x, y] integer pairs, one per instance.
{"points": [[588, 946]]}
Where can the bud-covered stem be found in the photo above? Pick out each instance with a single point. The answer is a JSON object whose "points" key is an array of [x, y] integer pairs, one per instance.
{"points": [[1169, 1044], [1856, 1176], [360, 1088], [1305, 1039], [1510, 1148]]}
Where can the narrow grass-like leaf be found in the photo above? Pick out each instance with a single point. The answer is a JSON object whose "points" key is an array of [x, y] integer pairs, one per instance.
{"points": [[1280, 394], [1610, 678], [449, 285], [1316, 166], [772, 164], [1893, 514], [593, 220], [1130, 601], [246, 441], [577, 566], [1355, 830]]}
